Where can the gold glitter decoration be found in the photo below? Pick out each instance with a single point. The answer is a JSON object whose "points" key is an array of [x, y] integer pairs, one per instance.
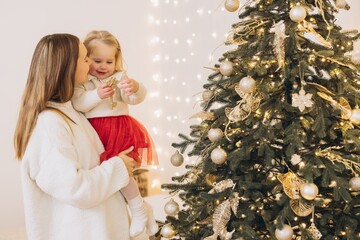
{"points": [[292, 184], [222, 185], [328, 154], [111, 82]]}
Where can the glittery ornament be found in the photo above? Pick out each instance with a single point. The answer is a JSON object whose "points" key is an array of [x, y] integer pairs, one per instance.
{"points": [[226, 68], [297, 13], [177, 159], [313, 232], [232, 5], [309, 191], [215, 134], [355, 184], [218, 156], [285, 233], [167, 231], [247, 84], [171, 208]]}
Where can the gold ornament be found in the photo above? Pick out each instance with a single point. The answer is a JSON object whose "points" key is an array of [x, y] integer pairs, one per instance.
{"points": [[222, 186], [309, 191], [297, 13], [215, 134], [327, 153], [342, 4], [111, 82], [226, 68], [279, 47], [218, 155], [221, 217], [292, 184], [355, 184], [203, 115], [309, 33], [171, 208], [177, 159], [285, 233], [167, 231], [313, 232], [232, 5], [211, 179]]}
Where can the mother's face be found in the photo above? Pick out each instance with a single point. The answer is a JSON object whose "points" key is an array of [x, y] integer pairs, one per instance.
{"points": [[82, 68]]}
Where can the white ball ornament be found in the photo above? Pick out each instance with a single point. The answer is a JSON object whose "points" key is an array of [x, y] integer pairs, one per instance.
{"points": [[167, 231], [226, 68], [355, 58], [309, 191], [232, 5], [215, 134], [297, 13], [355, 184], [285, 233], [218, 156], [177, 159], [341, 4], [355, 116], [171, 208], [247, 84]]}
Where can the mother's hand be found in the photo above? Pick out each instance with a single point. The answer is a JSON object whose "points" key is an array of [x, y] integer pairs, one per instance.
{"points": [[129, 161]]}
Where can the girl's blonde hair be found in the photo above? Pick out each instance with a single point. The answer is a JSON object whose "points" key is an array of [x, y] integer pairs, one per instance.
{"points": [[51, 78], [108, 39]]}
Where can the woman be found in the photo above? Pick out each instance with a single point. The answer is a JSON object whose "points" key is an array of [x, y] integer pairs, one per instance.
{"points": [[67, 195]]}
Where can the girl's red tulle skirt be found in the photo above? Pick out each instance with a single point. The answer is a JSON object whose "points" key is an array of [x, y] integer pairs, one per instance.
{"points": [[118, 133]]}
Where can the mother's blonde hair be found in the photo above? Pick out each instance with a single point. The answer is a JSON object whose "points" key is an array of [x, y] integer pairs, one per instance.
{"points": [[108, 39], [51, 78]]}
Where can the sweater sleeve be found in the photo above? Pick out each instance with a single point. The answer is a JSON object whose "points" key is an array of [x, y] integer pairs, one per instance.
{"points": [[84, 99], [60, 174], [134, 98]]}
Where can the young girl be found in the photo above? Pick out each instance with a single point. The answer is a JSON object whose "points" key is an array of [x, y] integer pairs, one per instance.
{"points": [[104, 100]]}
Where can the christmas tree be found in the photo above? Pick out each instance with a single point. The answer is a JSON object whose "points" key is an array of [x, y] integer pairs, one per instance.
{"points": [[278, 145]]}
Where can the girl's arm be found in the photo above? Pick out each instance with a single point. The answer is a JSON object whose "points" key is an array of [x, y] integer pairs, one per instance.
{"points": [[84, 99]]}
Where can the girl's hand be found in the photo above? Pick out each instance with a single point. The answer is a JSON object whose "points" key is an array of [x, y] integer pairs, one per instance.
{"points": [[129, 162], [104, 91], [129, 85]]}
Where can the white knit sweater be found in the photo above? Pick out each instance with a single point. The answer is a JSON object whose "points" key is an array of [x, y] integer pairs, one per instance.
{"points": [[67, 194], [86, 99]]}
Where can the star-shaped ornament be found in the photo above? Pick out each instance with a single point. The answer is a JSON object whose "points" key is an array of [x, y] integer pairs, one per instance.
{"points": [[302, 100]]}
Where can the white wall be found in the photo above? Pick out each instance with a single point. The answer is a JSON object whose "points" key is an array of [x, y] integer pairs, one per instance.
{"points": [[167, 56]]}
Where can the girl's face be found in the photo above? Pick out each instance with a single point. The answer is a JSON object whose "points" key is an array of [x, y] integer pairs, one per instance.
{"points": [[102, 60], [82, 68]]}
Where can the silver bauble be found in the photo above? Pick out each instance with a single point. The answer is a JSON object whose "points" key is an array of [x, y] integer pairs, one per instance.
{"points": [[355, 116], [247, 84], [232, 5], [207, 94], [341, 4], [226, 68], [355, 184], [297, 13], [167, 231], [218, 156], [171, 208], [285, 233], [309, 191], [215, 134], [355, 58], [177, 159]]}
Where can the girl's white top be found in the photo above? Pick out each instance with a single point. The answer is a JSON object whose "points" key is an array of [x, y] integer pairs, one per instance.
{"points": [[87, 100], [67, 194]]}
